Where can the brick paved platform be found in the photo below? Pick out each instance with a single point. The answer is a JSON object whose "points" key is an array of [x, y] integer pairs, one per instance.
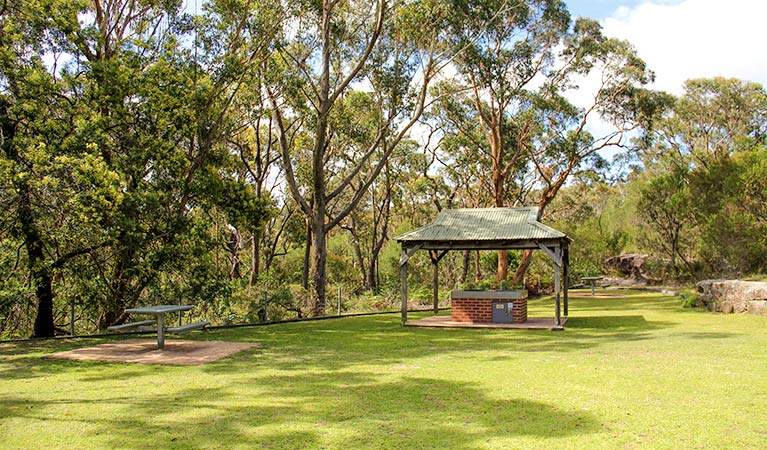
{"points": [[532, 323]]}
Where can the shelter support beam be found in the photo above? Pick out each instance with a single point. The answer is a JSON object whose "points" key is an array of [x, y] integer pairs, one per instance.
{"points": [[407, 254], [555, 253]]}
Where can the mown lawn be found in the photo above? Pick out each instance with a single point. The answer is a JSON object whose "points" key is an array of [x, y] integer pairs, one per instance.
{"points": [[637, 372]]}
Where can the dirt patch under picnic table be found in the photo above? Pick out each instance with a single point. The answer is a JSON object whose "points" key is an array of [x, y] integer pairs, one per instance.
{"points": [[145, 351]]}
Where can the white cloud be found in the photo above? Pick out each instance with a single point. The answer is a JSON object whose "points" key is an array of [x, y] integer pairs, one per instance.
{"points": [[695, 39]]}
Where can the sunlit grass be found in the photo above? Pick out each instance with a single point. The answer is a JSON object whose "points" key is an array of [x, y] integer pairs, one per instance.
{"points": [[637, 372]]}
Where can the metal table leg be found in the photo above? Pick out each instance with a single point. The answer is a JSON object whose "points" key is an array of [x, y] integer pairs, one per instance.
{"points": [[161, 331]]}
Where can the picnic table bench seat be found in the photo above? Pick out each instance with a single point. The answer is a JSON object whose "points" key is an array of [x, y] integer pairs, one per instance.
{"points": [[130, 325], [187, 327]]}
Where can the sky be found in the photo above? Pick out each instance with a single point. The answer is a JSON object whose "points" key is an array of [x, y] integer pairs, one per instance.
{"points": [[683, 39]]}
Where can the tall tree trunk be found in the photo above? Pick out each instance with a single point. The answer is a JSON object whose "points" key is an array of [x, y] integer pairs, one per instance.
{"points": [[318, 259], [372, 275], [121, 290], [375, 276], [307, 254], [498, 180], [359, 261], [524, 264], [234, 245], [255, 257], [465, 266], [361, 264], [477, 271], [503, 265], [527, 257], [39, 268]]}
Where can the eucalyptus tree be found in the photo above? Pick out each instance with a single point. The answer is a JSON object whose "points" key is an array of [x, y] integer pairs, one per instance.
{"points": [[332, 48], [488, 111], [569, 138], [510, 104], [713, 119]]}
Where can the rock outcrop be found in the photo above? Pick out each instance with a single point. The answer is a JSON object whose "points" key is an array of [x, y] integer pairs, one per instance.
{"points": [[729, 296], [632, 266]]}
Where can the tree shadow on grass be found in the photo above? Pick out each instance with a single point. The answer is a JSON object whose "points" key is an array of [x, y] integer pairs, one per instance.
{"points": [[629, 322], [351, 344], [643, 302], [152, 420], [352, 410], [705, 335], [336, 345]]}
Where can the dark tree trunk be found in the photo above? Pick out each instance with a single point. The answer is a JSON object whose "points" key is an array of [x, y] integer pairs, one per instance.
{"points": [[477, 271], [121, 288], [372, 275], [307, 254], [465, 267], [39, 268], [255, 257], [361, 262]]}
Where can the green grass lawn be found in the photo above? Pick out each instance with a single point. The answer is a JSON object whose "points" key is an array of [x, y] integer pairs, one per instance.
{"points": [[638, 372]]}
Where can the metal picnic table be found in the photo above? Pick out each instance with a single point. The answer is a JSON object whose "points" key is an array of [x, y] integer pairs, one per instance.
{"points": [[592, 281], [159, 312]]}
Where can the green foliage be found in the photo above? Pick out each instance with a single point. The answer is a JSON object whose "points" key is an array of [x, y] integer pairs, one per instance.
{"points": [[689, 300], [108, 164], [489, 262]]}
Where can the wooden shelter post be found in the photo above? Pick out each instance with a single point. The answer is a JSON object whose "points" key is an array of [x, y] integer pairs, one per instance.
{"points": [[566, 273], [435, 259], [557, 286], [403, 276], [555, 252], [435, 282], [406, 255]]}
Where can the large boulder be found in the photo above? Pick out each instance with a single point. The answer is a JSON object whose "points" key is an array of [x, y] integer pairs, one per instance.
{"points": [[730, 296], [632, 266]]}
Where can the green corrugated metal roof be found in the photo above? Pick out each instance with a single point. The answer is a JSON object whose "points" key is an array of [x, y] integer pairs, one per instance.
{"points": [[483, 224]]}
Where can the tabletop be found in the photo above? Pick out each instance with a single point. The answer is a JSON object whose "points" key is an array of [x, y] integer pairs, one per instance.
{"points": [[159, 309], [591, 278]]}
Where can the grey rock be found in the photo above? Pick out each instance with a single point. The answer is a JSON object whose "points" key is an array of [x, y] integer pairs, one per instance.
{"points": [[729, 296], [630, 265]]}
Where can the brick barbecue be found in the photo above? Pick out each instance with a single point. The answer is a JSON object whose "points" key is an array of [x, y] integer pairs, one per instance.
{"points": [[478, 306]]}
